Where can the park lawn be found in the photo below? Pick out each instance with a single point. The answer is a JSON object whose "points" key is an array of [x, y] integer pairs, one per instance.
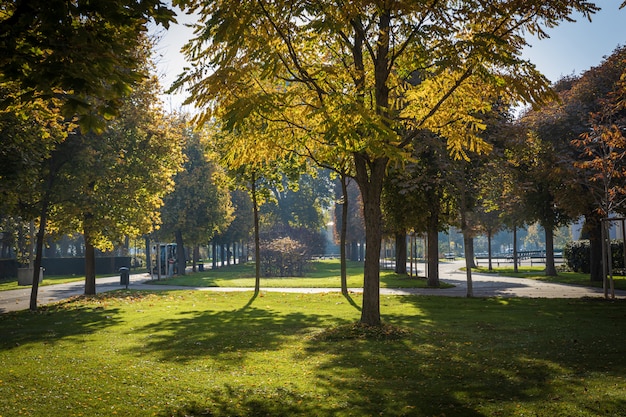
{"points": [[321, 274], [537, 273], [202, 353]]}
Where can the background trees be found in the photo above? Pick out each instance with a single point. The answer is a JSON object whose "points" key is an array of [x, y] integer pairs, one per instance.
{"points": [[572, 130], [199, 206], [78, 60], [116, 180]]}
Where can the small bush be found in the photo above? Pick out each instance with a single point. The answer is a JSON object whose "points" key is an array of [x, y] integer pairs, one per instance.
{"points": [[578, 254], [284, 257]]}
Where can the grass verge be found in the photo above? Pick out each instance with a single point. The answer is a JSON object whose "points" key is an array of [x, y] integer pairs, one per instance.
{"points": [[197, 353], [11, 283]]}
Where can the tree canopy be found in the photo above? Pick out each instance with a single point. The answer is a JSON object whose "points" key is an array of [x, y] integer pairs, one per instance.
{"points": [[82, 53], [366, 78]]}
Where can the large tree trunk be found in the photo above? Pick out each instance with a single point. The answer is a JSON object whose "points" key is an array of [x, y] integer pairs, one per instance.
{"points": [[370, 175], [550, 267], [342, 235], [401, 257], [90, 265], [433, 249], [181, 257]]}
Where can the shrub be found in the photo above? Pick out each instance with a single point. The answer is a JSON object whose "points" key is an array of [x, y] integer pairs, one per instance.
{"points": [[577, 255], [283, 257]]}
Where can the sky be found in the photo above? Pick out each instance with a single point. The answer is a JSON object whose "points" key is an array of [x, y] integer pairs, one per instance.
{"points": [[573, 47]]}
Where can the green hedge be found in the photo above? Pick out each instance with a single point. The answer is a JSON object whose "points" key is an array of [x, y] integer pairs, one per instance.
{"points": [[577, 255]]}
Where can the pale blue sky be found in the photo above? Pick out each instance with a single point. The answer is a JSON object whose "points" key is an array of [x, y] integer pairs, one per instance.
{"points": [[573, 47]]}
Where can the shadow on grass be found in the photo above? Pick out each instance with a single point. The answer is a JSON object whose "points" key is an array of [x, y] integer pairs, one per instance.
{"points": [[352, 302], [508, 352], [250, 402], [226, 335], [50, 324]]}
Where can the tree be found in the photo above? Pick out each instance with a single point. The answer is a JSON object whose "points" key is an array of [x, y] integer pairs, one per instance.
{"points": [[78, 58], [298, 209], [199, 207], [417, 196], [81, 53], [116, 182], [242, 224], [571, 126], [366, 78]]}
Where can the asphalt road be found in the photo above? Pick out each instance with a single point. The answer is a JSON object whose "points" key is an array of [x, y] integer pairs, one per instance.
{"points": [[484, 285]]}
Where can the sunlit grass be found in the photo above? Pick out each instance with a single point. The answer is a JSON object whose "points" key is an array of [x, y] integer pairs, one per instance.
{"points": [[321, 274], [198, 353], [538, 273]]}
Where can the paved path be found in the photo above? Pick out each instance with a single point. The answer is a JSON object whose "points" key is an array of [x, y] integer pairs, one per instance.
{"points": [[485, 285]]}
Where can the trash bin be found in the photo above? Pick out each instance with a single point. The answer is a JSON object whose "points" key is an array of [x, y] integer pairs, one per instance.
{"points": [[200, 266], [124, 276]]}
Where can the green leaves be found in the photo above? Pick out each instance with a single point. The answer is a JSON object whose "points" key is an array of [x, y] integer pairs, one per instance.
{"points": [[80, 51]]}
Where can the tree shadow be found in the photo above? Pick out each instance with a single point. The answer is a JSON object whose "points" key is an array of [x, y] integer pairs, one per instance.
{"points": [[252, 402], [224, 335], [351, 301], [506, 358], [53, 323]]}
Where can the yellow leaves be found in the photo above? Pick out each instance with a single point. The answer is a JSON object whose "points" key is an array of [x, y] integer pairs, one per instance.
{"points": [[450, 105]]}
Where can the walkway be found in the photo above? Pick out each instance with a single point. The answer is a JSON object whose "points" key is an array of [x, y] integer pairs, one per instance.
{"points": [[485, 285]]}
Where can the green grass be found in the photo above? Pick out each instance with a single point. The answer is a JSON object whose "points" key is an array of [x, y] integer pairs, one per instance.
{"points": [[199, 353], [537, 273], [321, 274]]}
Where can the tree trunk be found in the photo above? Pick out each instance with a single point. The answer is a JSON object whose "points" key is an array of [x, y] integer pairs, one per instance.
{"points": [[43, 219], [370, 175], [214, 255], [433, 249], [257, 239], [469, 261], [550, 267], [594, 229], [342, 235], [469, 250], [148, 256], [181, 257], [196, 256], [489, 250], [401, 258], [515, 269], [90, 265], [354, 251]]}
